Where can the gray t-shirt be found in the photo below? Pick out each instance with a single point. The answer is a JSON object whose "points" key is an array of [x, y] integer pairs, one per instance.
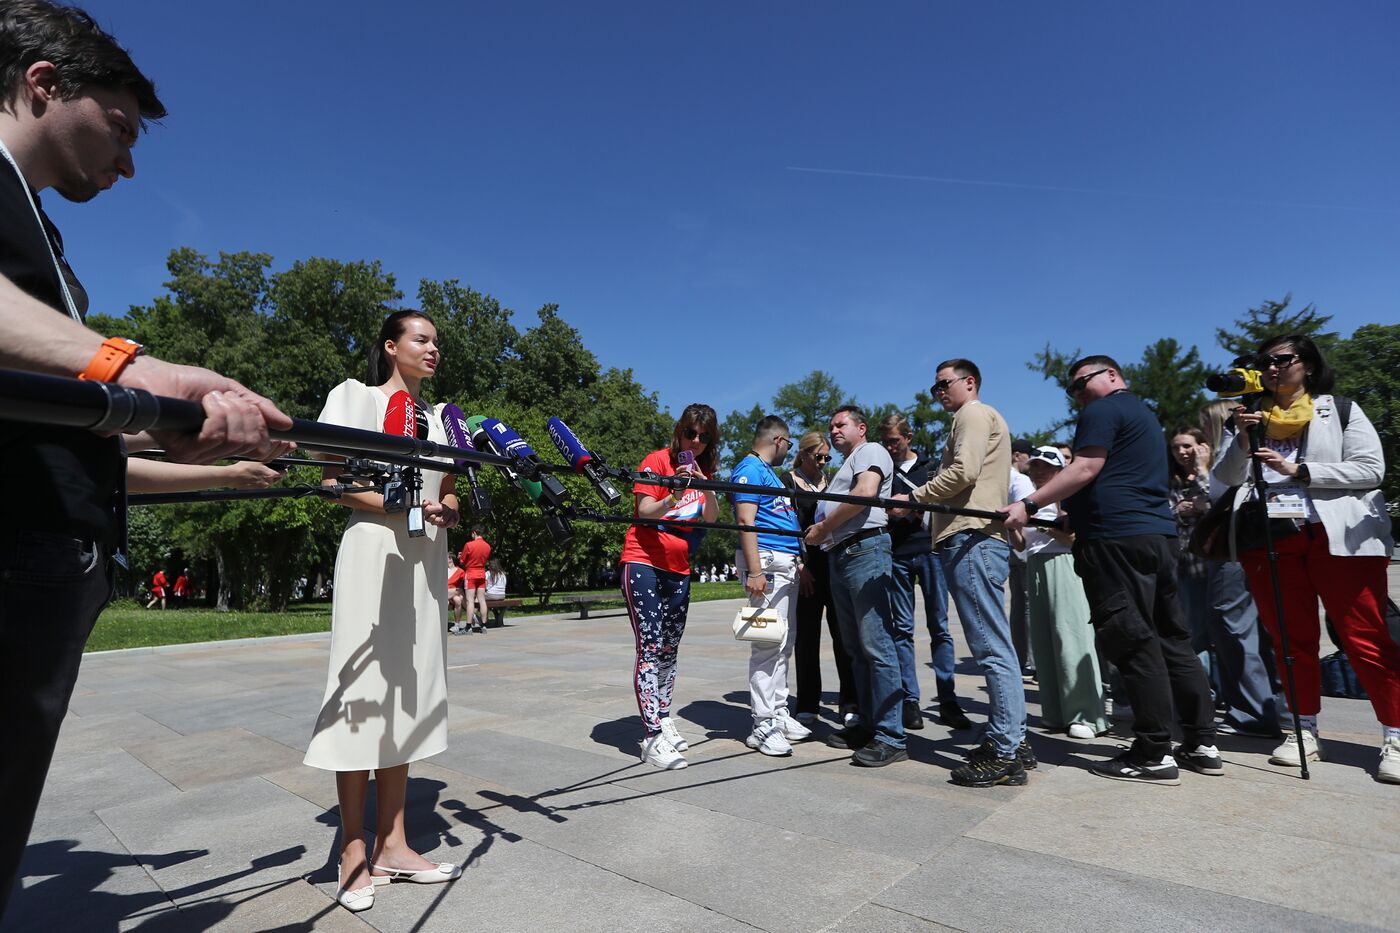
{"points": [[867, 456]]}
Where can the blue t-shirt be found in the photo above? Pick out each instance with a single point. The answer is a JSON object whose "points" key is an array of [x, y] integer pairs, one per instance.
{"points": [[1129, 496], [773, 511]]}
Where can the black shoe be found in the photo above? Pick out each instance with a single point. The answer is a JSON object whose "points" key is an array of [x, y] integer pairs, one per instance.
{"points": [[1024, 754], [989, 772], [1200, 759], [877, 754], [952, 716], [913, 718], [852, 738], [1131, 766]]}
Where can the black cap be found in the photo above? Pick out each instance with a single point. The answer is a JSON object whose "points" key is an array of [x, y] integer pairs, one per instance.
{"points": [[1022, 447]]}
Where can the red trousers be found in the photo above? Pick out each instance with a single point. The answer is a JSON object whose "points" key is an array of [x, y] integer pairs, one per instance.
{"points": [[1353, 591]]}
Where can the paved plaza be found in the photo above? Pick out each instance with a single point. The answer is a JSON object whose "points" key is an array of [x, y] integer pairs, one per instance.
{"points": [[178, 802]]}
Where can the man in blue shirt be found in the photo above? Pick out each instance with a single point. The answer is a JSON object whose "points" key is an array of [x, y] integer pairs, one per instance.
{"points": [[1115, 491], [767, 563]]}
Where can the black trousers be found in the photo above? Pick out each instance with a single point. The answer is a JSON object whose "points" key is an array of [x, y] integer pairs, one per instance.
{"points": [[807, 646], [51, 591], [1138, 625]]}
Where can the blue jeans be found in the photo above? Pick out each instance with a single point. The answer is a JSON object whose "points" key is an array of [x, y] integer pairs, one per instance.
{"points": [[860, 587], [926, 572], [976, 567]]}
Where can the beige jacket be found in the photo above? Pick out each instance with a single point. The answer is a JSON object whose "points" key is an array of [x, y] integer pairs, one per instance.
{"points": [[974, 473]]}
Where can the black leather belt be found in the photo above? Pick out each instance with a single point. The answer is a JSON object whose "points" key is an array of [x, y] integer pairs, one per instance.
{"points": [[860, 536]]}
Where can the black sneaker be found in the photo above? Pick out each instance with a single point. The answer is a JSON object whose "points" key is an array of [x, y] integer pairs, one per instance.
{"points": [[1024, 754], [1203, 759], [913, 718], [853, 738], [989, 772], [1131, 766], [952, 716], [877, 754]]}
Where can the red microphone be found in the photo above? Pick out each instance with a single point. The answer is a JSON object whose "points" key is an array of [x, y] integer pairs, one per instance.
{"points": [[403, 418]]}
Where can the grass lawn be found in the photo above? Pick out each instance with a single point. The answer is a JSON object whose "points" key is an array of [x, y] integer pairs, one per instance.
{"points": [[124, 624]]}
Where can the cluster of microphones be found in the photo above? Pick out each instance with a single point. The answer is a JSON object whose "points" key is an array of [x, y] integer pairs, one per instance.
{"points": [[527, 472]]}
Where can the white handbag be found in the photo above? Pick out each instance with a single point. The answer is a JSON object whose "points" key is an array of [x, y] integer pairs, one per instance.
{"points": [[764, 626]]}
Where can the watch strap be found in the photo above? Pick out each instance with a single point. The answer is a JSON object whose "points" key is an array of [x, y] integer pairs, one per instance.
{"points": [[115, 354]]}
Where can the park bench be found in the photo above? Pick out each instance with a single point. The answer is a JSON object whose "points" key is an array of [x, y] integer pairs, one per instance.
{"points": [[584, 600], [497, 608]]}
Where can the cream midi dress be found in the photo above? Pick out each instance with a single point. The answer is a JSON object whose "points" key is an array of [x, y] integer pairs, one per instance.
{"points": [[386, 691]]}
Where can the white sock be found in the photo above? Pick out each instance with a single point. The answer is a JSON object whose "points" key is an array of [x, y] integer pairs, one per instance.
{"points": [[1309, 724]]}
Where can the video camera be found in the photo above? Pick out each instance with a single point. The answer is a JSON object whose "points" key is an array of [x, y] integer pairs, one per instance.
{"points": [[1242, 378]]}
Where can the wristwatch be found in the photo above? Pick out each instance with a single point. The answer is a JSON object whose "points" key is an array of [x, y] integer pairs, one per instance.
{"points": [[111, 358], [1031, 507]]}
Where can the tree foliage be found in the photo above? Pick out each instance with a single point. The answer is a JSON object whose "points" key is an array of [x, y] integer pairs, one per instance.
{"points": [[1368, 371], [1272, 319]]}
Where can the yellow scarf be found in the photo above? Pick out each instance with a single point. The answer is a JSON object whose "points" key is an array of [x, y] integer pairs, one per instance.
{"points": [[1285, 423]]}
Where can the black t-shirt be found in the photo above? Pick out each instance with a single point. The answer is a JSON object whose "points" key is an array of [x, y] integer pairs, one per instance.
{"points": [[908, 536], [61, 480], [1129, 496]]}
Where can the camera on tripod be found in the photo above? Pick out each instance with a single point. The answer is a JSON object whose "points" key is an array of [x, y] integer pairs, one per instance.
{"points": [[1242, 378]]}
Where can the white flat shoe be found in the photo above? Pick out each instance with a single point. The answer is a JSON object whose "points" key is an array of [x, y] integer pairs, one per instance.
{"points": [[356, 900], [443, 872]]}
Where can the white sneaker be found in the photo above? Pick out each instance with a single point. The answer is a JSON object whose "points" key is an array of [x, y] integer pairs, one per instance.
{"points": [[1081, 730], [767, 737], [792, 730], [673, 735], [661, 753], [1287, 753], [1389, 770]]}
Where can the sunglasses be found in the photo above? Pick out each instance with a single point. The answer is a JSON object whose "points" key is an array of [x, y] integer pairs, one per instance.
{"points": [[890, 441], [824, 458], [694, 435], [943, 384], [1282, 361], [1078, 385]]}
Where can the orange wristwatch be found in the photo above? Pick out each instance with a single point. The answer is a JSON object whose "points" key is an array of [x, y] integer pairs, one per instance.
{"points": [[115, 354]]}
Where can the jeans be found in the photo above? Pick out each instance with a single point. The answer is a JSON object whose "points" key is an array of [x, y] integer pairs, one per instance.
{"points": [[860, 583], [975, 566], [1136, 613], [768, 664], [904, 571], [51, 591], [657, 603], [1248, 683]]}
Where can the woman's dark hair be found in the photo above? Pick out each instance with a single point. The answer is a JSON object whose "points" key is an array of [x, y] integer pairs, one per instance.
{"points": [[380, 367], [701, 419], [1178, 472], [1320, 377]]}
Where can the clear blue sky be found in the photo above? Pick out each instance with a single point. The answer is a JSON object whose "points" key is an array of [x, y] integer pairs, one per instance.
{"points": [[726, 196]]}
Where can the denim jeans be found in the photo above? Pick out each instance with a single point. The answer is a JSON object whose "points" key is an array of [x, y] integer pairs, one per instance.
{"points": [[926, 572], [768, 664], [860, 587], [51, 591], [976, 567]]}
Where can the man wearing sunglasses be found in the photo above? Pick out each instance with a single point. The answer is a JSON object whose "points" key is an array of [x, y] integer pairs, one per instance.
{"points": [[1115, 491], [973, 474]]}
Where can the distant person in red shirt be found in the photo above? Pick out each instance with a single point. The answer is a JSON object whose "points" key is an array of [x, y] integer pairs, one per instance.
{"points": [[473, 559], [181, 590], [456, 594], [158, 585]]}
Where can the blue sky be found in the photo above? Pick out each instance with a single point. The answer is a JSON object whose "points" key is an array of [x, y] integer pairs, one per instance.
{"points": [[724, 197]]}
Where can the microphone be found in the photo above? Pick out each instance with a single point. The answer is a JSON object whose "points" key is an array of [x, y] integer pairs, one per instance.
{"points": [[404, 419], [458, 435], [513, 445], [482, 441], [559, 526], [572, 450]]}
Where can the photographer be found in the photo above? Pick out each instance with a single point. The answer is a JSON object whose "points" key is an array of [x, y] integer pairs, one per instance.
{"points": [[1322, 463]]}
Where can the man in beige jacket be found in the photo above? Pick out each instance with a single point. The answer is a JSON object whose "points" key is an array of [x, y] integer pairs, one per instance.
{"points": [[974, 554]]}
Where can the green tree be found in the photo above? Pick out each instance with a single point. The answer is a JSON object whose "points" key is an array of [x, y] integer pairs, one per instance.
{"points": [[477, 340], [1170, 382], [1368, 371], [1271, 319], [807, 404]]}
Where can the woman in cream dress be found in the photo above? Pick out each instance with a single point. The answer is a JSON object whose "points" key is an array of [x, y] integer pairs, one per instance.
{"points": [[386, 693]]}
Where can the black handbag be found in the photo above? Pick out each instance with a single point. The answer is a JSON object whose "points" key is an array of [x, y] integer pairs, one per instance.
{"points": [[1211, 536]]}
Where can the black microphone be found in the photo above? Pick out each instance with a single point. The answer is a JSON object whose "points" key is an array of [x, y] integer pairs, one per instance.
{"points": [[513, 445], [459, 435], [572, 450]]}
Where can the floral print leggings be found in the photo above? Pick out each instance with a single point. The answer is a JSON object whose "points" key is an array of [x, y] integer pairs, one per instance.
{"points": [[657, 602]]}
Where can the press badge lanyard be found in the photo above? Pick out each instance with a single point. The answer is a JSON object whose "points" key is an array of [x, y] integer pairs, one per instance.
{"points": [[68, 302]]}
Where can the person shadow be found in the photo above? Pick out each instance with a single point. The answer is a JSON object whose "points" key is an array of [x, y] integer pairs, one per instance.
{"points": [[73, 878]]}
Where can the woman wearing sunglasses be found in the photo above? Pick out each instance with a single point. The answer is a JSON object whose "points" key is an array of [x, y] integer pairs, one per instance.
{"points": [[1323, 476], [656, 574]]}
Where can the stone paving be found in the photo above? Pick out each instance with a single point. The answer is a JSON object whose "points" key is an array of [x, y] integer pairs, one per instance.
{"points": [[178, 802]]}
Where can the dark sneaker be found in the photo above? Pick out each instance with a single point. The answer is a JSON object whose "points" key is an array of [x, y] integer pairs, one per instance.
{"points": [[989, 772], [913, 718], [852, 738], [1024, 754], [1203, 759], [1130, 766], [877, 754], [952, 716]]}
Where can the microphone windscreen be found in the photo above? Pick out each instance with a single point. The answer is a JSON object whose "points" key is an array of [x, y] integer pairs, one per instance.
{"points": [[570, 447], [455, 424], [505, 438], [401, 417]]}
